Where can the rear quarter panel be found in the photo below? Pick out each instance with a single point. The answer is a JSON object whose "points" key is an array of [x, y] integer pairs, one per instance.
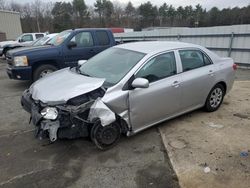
{"points": [[225, 72]]}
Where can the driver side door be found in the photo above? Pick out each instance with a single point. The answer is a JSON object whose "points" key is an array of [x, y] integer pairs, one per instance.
{"points": [[162, 98], [84, 49]]}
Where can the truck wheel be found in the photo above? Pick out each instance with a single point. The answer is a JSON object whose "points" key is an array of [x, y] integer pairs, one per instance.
{"points": [[215, 98], [42, 71], [5, 52], [107, 136]]}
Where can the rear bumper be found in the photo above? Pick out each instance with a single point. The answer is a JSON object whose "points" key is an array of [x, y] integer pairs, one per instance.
{"points": [[19, 73]]}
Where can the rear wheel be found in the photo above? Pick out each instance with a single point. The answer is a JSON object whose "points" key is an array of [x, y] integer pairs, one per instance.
{"points": [[42, 71], [107, 136], [215, 98]]}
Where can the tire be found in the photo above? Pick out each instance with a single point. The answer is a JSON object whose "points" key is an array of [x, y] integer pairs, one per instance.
{"points": [[105, 137], [5, 52], [215, 98], [42, 70]]}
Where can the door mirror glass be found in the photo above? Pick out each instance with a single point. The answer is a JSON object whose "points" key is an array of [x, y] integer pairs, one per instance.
{"points": [[140, 83], [81, 62], [72, 44]]}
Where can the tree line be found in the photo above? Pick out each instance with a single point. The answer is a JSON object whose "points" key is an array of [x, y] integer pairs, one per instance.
{"points": [[55, 17]]}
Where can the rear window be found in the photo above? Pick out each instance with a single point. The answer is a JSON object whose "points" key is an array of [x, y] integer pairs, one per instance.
{"points": [[39, 35], [103, 38], [192, 59]]}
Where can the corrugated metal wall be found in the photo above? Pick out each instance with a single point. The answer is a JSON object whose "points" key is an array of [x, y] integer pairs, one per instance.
{"points": [[233, 41], [10, 24]]}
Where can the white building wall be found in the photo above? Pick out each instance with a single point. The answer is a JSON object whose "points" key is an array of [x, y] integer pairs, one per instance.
{"points": [[10, 24]]}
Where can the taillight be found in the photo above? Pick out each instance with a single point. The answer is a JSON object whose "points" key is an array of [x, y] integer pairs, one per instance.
{"points": [[234, 66]]}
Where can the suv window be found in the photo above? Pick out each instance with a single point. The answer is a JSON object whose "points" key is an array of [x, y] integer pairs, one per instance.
{"points": [[26, 38], [83, 39], [103, 38], [158, 67], [39, 36], [192, 59]]}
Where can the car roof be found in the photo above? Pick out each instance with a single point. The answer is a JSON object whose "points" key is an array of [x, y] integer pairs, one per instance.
{"points": [[156, 46], [88, 29]]}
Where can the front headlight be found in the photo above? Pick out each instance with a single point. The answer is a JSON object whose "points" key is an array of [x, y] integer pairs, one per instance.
{"points": [[20, 61], [49, 113]]}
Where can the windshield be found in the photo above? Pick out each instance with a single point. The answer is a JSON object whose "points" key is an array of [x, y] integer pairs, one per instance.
{"points": [[40, 41], [58, 39], [112, 64]]}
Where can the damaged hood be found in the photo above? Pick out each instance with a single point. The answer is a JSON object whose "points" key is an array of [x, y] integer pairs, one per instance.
{"points": [[63, 85]]}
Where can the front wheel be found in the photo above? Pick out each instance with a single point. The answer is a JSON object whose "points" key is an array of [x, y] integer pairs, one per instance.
{"points": [[42, 71], [5, 52], [215, 98], [107, 136]]}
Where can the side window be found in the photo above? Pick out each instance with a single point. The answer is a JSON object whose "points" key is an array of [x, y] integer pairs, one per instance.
{"points": [[83, 39], [102, 37], [192, 59], [158, 68], [39, 36], [26, 38], [207, 61]]}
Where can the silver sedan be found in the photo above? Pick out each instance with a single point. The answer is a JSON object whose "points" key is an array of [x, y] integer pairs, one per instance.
{"points": [[126, 89]]}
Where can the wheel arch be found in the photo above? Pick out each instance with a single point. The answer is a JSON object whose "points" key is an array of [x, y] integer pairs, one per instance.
{"points": [[37, 64], [223, 83]]}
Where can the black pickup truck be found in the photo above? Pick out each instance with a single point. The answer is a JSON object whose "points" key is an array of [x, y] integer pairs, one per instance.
{"points": [[32, 63]]}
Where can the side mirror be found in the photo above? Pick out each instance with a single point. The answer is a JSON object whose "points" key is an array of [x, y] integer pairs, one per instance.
{"points": [[20, 40], [140, 83], [81, 62], [72, 44]]}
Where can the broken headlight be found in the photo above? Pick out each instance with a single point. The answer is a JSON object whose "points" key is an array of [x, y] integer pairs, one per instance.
{"points": [[49, 113]]}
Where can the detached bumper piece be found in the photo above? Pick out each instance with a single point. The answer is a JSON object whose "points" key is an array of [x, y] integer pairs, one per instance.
{"points": [[26, 101]]}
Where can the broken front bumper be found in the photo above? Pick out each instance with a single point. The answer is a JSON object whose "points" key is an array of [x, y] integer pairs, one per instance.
{"points": [[65, 125]]}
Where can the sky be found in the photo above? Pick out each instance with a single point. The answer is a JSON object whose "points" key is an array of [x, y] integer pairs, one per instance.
{"points": [[205, 3]]}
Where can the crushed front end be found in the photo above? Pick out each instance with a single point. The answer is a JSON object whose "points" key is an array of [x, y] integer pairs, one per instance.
{"points": [[63, 120]]}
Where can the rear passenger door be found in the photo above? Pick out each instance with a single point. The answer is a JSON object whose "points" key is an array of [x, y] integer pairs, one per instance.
{"points": [[84, 49], [102, 40], [197, 77]]}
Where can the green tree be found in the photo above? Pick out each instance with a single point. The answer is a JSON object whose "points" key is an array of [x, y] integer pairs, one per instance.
{"points": [[189, 16], [148, 14], [105, 9], [198, 14], [130, 12], [163, 13], [80, 12], [108, 11], [62, 13], [213, 16], [171, 14]]}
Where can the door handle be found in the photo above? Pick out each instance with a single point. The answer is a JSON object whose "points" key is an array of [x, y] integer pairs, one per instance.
{"points": [[92, 51], [175, 84], [211, 73]]}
